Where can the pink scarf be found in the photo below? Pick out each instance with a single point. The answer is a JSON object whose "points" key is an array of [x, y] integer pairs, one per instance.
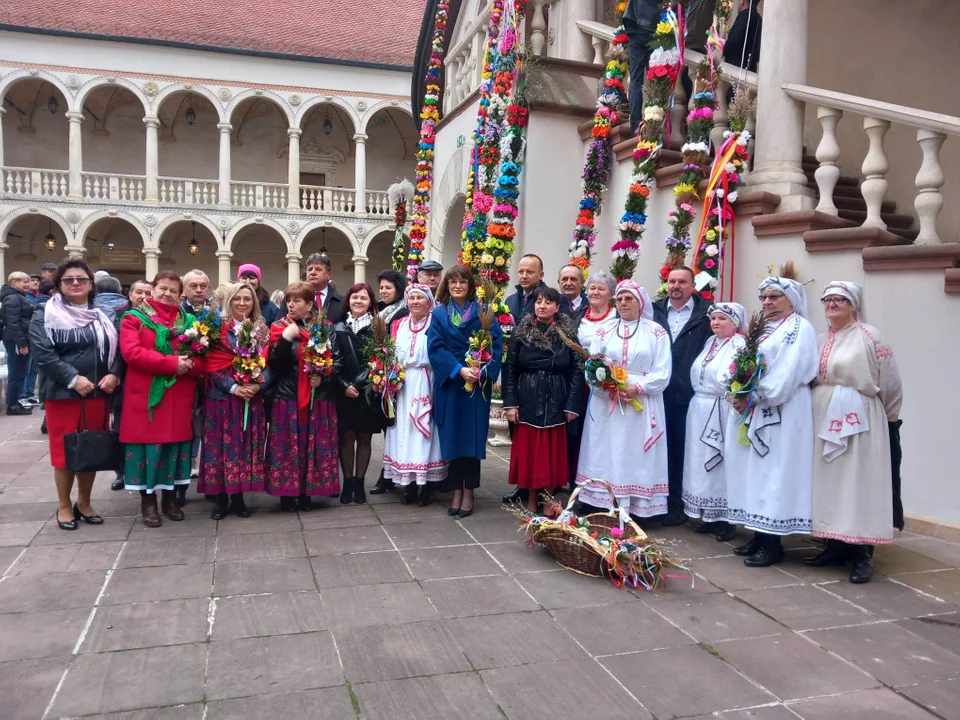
{"points": [[63, 318]]}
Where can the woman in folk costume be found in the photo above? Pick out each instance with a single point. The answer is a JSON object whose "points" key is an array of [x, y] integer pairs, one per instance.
{"points": [[302, 447], [234, 420], [769, 480], [704, 471], [156, 426], [621, 445], [857, 393], [462, 416], [411, 454]]}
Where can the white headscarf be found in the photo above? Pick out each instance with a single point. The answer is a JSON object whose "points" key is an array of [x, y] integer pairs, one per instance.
{"points": [[418, 288], [735, 311], [646, 307], [850, 290], [794, 291]]}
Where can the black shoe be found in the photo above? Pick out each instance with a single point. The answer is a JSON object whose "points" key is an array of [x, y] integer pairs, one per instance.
{"points": [[288, 504], [359, 494], [409, 494], [426, 495], [673, 518], [382, 486], [181, 495], [304, 504], [770, 553], [346, 491], [465, 513], [453, 511], [725, 532], [751, 546], [88, 519], [519, 495], [862, 569], [707, 528], [19, 410], [238, 507], [43, 426], [118, 482], [835, 553], [219, 511], [72, 525]]}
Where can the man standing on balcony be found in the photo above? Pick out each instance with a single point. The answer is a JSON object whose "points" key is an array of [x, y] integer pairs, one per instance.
{"points": [[683, 314], [319, 274], [639, 21], [196, 299]]}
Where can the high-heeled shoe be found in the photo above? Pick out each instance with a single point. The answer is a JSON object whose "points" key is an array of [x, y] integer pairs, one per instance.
{"points": [[88, 519], [465, 513], [453, 511], [72, 525]]}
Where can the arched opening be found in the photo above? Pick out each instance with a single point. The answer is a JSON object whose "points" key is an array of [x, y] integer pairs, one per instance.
{"points": [[260, 128], [380, 253], [177, 244], [452, 234], [327, 158], [35, 132], [32, 240], [189, 148], [392, 140], [114, 244], [336, 245], [114, 142], [263, 246]]}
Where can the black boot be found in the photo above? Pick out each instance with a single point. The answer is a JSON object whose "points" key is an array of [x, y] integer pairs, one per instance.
{"points": [[118, 482], [673, 518], [304, 504], [288, 504], [238, 506], [359, 495], [219, 511], [751, 546], [835, 553], [707, 528], [426, 495], [769, 553], [862, 570], [382, 485], [346, 492], [181, 495], [724, 531], [409, 494], [519, 495]]}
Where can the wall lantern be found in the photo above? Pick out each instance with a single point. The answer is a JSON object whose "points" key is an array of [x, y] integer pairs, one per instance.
{"points": [[53, 104], [50, 241], [191, 113], [194, 245]]}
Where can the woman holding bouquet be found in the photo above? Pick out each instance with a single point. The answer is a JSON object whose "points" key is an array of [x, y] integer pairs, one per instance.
{"points": [[462, 389], [704, 471], [411, 455], [234, 423], [623, 445], [359, 416], [156, 426], [541, 394], [302, 448], [769, 479], [600, 319], [856, 394]]}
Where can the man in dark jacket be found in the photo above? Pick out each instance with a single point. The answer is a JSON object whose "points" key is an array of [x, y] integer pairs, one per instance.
{"points": [[684, 316], [195, 300], [319, 274], [639, 21], [109, 296], [571, 282], [17, 311], [742, 47], [529, 278]]}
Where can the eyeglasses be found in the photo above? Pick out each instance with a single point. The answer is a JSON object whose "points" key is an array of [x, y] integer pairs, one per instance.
{"points": [[833, 300], [458, 282], [75, 281], [771, 296]]}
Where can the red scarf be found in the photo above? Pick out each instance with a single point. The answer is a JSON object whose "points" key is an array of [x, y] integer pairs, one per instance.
{"points": [[221, 357], [303, 379]]}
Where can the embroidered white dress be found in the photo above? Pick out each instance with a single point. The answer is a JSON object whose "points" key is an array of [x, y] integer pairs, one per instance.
{"points": [[770, 481], [704, 472], [852, 496], [588, 330], [628, 449], [411, 452]]}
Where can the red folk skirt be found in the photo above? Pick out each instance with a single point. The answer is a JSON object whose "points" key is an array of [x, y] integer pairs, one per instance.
{"points": [[538, 457], [63, 416]]}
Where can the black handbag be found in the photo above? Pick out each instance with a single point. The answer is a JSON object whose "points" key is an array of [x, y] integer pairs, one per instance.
{"points": [[92, 450]]}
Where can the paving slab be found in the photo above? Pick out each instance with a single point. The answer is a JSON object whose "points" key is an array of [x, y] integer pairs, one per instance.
{"points": [[616, 629], [943, 698], [262, 521], [946, 552], [898, 559], [370, 568], [287, 613], [19, 533], [566, 589], [8, 556], [514, 639], [385, 604], [467, 597], [25, 512], [194, 711], [150, 584], [944, 585], [440, 697], [112, 529], [518, 557], [942, 630], [805, 607], [891, 600], [436, 533], [730, 574], [336, 541], [243, 578], [878, 704], [153, 552], [60, 591], [714, 617], [80, 557], [769, 712], [249, 547], [450, 562], [26, 686], [144, 625], [40, 634], [323, 704]]}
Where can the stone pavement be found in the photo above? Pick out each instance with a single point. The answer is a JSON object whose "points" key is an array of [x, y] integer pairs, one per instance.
{"points": [[388, 611]]}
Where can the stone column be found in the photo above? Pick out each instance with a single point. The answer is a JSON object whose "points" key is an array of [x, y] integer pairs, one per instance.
{"points": [[223, 259], [293, 266], [225, 200], [3, 111], [3, 253], [74, 251], [293, 169], [778, 155], [76, 156], [152, 263], [153, 160], [360, 172], [359, 268]]}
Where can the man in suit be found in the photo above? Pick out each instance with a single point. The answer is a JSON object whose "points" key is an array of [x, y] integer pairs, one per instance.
{"points": [[529, 279], [195, 300], [683, 314], [571, 287], [319, 274]]}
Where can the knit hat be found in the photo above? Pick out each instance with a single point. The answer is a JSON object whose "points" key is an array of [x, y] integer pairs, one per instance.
{"points": [[249, 269]]}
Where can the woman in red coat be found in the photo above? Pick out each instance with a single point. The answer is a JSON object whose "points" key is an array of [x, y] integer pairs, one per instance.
{"points": [[156, 427]]}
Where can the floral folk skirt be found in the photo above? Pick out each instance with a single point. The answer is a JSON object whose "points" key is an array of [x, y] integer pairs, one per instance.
{"points": [[302, 454], [157, 466], [233, 459]]}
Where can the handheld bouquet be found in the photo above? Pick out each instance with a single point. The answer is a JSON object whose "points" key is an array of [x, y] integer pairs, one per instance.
{"points": [[480, 345], [318, 355], [745, 372], [386, 374], [199, 338], [601, 373], [250, 357]]}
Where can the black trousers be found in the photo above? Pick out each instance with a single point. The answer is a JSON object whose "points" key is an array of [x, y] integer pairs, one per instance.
{"points": [[638, 53], [463, 474], [676, 441]]}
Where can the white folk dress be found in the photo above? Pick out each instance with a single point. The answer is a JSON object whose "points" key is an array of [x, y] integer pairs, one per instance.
{"points": [[411, 452], [628, 449], [590, 331], [704, 472], [770, 481], [852, 496]]}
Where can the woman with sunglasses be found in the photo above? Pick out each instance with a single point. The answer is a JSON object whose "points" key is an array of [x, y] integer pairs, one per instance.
{"points": [[856, 394]]}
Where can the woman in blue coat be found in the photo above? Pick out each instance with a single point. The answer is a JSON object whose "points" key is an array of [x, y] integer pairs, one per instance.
{"points": [[462, 417]]}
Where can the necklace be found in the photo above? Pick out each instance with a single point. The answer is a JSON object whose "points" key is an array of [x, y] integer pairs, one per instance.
{"points": [[711, 354], [631, 333], [588, 316], [766, 335], [414, 330], [624, 352]]}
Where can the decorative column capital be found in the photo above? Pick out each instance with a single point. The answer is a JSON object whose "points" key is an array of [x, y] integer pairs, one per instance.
{"points": [[151, 121], [360, 259], [294, 132], [3, 111], [224, 254], [4, 247], [224, 127], [75, 250], [360, 138], [151, 252], [294, 256], [74, 116]]}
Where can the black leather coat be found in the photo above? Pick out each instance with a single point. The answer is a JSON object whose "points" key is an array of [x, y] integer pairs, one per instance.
{"points": [[286, 371], [541, 375]]}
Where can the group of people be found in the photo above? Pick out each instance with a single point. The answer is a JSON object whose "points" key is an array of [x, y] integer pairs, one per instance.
{"points": [[809, 451]]}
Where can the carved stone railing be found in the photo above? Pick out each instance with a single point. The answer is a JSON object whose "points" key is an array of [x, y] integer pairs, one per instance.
{"points": [[932, 130], [26, 182], [187, 191], [378, 203], [109, 186], [463, 62], [259, 195], [328, 199]]}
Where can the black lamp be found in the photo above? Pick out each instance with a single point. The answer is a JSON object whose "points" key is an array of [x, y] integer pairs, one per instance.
{"points": [[194, 245], [50, 241], [53, 104], [191, 113]]}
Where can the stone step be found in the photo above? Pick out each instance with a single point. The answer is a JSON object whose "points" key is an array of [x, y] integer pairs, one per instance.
{"points": [[842, 180], [844, 202], [893, 220]]}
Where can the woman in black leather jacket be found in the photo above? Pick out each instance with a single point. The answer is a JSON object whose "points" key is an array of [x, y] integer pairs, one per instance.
{"points": [[542, 383], [358, 416], [302, 445], [76, 348]]}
